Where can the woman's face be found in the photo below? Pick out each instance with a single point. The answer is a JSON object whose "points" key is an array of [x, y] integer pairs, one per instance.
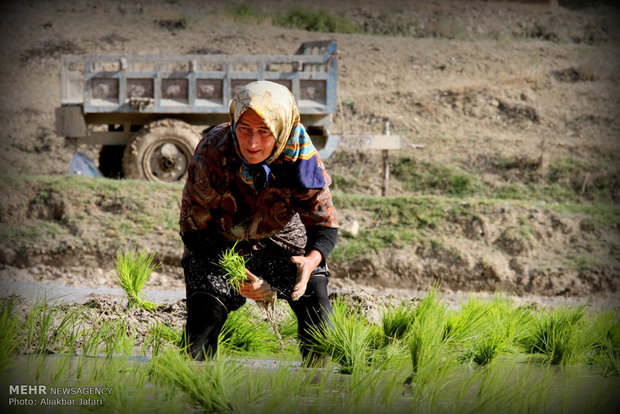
{"points": [[256, 141]]}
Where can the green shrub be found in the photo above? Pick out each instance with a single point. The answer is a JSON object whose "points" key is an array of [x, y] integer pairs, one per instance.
{"points": [[315, 21], [245, 13], [434, 179]]}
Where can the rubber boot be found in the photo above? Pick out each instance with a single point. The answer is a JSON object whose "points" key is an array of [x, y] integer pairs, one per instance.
{"points": [[205, 317]]}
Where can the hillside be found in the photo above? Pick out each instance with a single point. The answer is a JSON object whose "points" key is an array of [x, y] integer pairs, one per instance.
{"points": [[515, 106]]}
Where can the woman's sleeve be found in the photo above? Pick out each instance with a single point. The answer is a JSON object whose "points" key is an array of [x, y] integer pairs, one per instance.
{"points": [[318, 214], [201, 198], [197, 197], [322, 239]]}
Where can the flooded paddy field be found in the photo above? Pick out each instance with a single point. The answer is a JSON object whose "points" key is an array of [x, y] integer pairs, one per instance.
{"points": [[140, 384], [425, 355]]}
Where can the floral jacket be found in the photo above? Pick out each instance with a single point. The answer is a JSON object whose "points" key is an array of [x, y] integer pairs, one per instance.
{"points": [[218, 203]]}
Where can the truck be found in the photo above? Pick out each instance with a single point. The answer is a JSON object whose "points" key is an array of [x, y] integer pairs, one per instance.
{"points": [[148, 111]]}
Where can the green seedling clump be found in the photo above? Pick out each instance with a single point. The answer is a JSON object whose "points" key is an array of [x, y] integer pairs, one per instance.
{"points": [[233, 265], [347, 342], [396, 321], [9, 332], [459, 359], [556, 335], [133, 270], [242, 333]]}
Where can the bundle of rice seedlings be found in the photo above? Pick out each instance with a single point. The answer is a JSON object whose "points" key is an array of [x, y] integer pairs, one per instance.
{"points": [[242, 333], [347, 342], [133, 270], [432, 354], [233, 266], [605, 342], [161, 334], [9, 332], [397, 320], [559, 335], [215, 390]]}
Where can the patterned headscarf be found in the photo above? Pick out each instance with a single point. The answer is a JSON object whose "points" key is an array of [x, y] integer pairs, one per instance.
{"points": [[275, 104]]}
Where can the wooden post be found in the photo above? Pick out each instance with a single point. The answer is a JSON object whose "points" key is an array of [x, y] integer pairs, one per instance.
{"points": [[386, 163]]}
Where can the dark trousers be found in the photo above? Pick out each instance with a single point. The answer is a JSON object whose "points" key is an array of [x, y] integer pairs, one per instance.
{"points": [[313, 312], [208, 308]]}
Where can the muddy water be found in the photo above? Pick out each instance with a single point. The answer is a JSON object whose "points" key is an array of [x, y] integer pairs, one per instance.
{"points": [[510, 386], [55, 293]]}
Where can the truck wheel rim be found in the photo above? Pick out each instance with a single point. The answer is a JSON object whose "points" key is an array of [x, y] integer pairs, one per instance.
{"points": [[166, 162]]}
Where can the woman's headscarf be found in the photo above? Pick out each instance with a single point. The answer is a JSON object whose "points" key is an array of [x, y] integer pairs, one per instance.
{"points": [[275, 104]]}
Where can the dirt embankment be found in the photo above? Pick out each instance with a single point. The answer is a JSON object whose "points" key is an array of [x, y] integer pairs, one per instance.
{"points": [[68, 231], [500, 90]]}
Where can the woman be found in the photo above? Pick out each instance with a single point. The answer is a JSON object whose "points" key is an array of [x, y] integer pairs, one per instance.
{"points": [[259, 182]]}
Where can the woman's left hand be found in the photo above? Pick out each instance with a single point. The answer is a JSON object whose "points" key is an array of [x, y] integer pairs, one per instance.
{"points": [[305, 266]]}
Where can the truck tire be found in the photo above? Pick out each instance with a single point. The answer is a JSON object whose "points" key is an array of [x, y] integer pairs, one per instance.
{"points": [[160, 151]]}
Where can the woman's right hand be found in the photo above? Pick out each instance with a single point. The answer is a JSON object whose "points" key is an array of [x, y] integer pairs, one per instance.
{"points": [[257, 289]]}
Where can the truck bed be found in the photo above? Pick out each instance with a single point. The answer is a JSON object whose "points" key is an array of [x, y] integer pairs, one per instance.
{"points": [[195, 84]]}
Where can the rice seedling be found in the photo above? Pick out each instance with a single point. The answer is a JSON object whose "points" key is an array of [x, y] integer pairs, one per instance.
{"points": [[504, 388], [160, 335], [373, 390], [487, 348], [375, 363], [215, 388], [233, 266], [62, 365], [45, 329], [37, 324], [483, 331], [515, 322], [119, 339], [394, 355], [108, 337], [559, 335], [432, 357], [284, 390], [386, 352], [396, 321], [66, 331], [467, 324], [347, 342], [9, 332], [605, 342], [48, 329], [133, 270], [242, 333], [288, 325]]}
